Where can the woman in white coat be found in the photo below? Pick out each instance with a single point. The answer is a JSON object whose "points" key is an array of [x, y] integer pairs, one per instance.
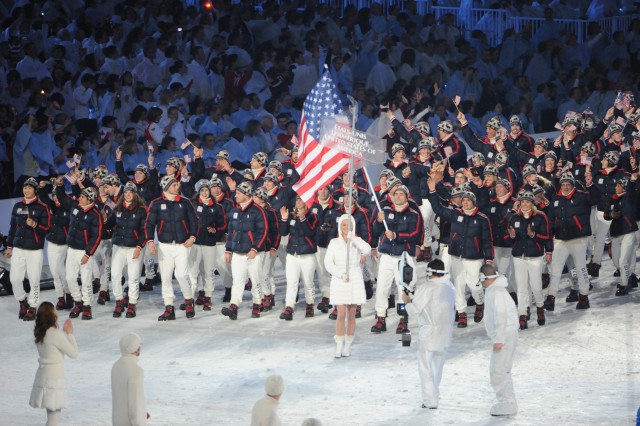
{"points": [[433, 304], [49, 386], [346, 288]]}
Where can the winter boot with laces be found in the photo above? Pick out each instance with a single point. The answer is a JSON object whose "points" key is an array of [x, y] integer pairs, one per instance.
{"points": [[86, 312], [380, 325], [200, 299], [462, 320], [402, 327], [76, 310], [471, 301], [623, 290], [633, 281], [358, 311], [255, 310], [248, 286], [30, 315], [309, 312], [583, 302], [117, 312], [324, 305], [287, 314], [60, 304], [550, 303], [190, 308], [334, 314], [227, 295], [572, 297], [102, 297], [523, 322], [131, 311], [541, 319], [206, 304], [169, 314], [479, 313], [231, 312]]}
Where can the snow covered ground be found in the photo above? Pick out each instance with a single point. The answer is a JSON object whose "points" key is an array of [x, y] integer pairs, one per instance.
{"points": [[583, 367]]}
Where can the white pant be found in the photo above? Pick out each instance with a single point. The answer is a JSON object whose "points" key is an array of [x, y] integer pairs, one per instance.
{"points": [[202, 261], [387, 268], [268, 283], [102, 261], [623, 249], [121, 257], [324, 278], [445, 257], [29, 263], [500, 371], [174, 258], [528, 276], [503, 261], [430, 365], [577, 249], [243, 269], [300, 266], [82, 293], [429, 222], [465, 273], [57, 255], [224, 269], [600, 235], [591, 238], [148, 261]]}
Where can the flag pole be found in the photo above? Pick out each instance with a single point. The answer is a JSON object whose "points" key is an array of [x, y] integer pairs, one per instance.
{"points": [[354, 113]]}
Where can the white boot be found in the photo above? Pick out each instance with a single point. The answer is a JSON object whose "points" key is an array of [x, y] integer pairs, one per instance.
{"points": [[346, 351], [339, 342]]}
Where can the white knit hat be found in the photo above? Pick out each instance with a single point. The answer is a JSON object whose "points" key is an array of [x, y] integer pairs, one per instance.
{"points": [[129, 343], [274, 385]]}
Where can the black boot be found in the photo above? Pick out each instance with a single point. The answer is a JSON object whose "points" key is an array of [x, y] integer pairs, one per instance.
{"points": [[392, 301], [227, 295], [169, 314], [368, 289], [86, 312], [479, 313], [231, 312], [523, 322], [541, 319], [380, 325], [583, 302], [68, 301], [191, 312], [572, 297], [76, 310], [623, 290], [550, 303], [471, 301]]}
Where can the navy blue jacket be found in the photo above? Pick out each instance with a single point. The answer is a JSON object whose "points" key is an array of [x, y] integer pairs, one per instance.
{"points": [[302, 233], [499, 215], [273, 225], [327, 219], [60, 215], [247, 230], [128, 226], [174, 221], [24, 236], [470, 234], [606, 184], [523, 245], [210, 215], [85, 229], [570, 216], [148, 189], [406, 224], [626, 205]]}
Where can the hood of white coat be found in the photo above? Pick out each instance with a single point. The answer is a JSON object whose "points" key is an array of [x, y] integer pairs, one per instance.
{"points": [[129, 343]]}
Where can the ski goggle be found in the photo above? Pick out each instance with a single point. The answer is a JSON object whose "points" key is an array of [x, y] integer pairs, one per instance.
{"points": [[482, 277], [435, 271]]}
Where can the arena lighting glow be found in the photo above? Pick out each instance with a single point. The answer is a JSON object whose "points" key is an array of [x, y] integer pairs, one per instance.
{"points": [[207, 5]]}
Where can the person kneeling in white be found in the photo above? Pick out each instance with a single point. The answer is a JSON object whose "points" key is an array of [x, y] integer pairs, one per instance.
{"points": [[347, 284], [501, 322], [433, 304], [264, 411], [127, 385]]}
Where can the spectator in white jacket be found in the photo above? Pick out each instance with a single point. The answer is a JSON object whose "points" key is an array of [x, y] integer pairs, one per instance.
{"points": [[433, 304], [127, 385], [264, 411], [501, 322]]}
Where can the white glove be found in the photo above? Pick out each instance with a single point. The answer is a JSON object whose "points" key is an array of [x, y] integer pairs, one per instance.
{"points": [[345, 278]]}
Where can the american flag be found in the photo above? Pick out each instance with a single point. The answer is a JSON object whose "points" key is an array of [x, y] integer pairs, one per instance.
{"points": [[317, 164]]}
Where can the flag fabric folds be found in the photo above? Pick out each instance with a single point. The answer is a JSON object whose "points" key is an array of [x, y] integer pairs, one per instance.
{"points": [[317, 164]]}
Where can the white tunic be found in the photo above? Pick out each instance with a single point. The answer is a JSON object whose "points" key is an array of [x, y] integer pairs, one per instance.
{"points": [[49, 386], [127, 391], [335, 261]]}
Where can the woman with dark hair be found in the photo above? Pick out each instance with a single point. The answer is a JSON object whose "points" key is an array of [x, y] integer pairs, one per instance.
{"points": [[49, 386]]}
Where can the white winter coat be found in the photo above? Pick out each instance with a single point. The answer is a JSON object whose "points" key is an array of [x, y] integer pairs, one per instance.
{"points": [[264, 412], [335, 262], [127, 392], [49, 386], [433, 305], [500, 313]]}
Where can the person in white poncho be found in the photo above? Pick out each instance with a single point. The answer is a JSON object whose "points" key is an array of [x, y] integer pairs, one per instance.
{"points": [[346, 288], [501, 322], [49, 387], [433, 304]]}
